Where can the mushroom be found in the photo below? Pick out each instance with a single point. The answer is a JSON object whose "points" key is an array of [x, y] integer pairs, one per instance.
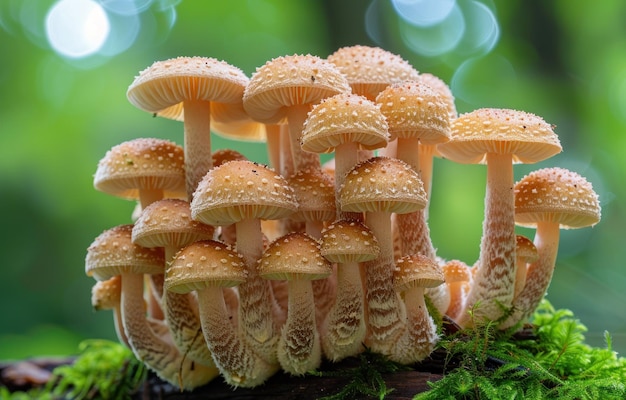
{"points": [[346, 243], [457, 275], [344, 123], [184, 88], [413, 273], [167, 223], [378, 187], [286, 88], [525, 253], [296, 258], [416, 114], [107, 295], [549, 199], [208, 267], [244, 193], [113, 253], [499, 138]]}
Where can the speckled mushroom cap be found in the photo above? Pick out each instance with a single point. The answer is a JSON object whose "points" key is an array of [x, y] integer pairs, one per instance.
{"points": [[439, 86], [165, 85], [290, 80], [143, 163], [204, 264], [294, 256], [168, 222], [344, 118], [525, 249], [223, 156], [106, 295], [456, 271], [371, 69], [348, 241], [239, 190], [416, 271], [113, 253], [315, 194], [382, 184], [527, 137], [556, 195], [414, 110]]}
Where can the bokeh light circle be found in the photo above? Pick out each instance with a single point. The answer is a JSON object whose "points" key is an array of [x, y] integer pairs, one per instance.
{"points": [[423, 12]]}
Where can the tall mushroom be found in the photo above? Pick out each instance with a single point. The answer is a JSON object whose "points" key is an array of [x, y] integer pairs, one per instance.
{"points": [[243, 193], [378, 187], [183, 88], [286, 88], [208, 267], [113, 253], [499, 138], [347, 243], [549, 199], [296, 258]]}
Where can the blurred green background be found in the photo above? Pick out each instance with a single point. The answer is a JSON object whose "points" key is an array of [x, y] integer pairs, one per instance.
{"points": [[563, 60]]}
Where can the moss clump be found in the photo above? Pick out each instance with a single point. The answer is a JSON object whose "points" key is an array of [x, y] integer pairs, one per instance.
{"points": [[553, 362]]}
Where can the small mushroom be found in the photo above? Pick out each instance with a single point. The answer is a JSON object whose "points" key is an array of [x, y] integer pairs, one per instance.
{"points": [[107, 295], [296, 258], [457, 275], [525, 253]]}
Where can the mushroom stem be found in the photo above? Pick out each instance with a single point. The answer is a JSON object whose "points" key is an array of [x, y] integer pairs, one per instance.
{"points": [[539, 273], [159, 355], [407, 150], [197, 139], [346, 157], [344, 326], [239, 364], [494, 282], [259, 314], [426, 156], [299, 349], [385, 310], [296, 115], [149, 196]]}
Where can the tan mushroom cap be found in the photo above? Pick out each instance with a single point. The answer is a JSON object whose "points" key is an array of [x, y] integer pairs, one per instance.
{"points": [[414, 110], [348, 241], [456, 271], [239, 190], [204, 264], [416, 271], [290, 80], [165, 85], [113, 253], [106, 295], [383, 184], [315, 193], [143, 163], [525, 249], [344, 118], [527, 137], [439, 86], [294, 256], [556, 195], [222, 156], [369, 70], [168, 223]]}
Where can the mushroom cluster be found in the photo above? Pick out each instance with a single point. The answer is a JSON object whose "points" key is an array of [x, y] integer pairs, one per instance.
{"points": [[237, 269]]}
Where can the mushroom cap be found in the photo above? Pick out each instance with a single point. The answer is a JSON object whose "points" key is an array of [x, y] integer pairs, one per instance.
{"points": [[525, 249], [106, 295], [344, 118], [382, 184], [369, 70], [294, 256], [165, 85], [239, 190], [223, 156], [439, 86], [315, 194], [456, 271], [556, 195], [204, 264], [113, 253], [348, 241], [168, 222], [527, 137], [416, 271], [290, 80], [415, 110], [143, 163]]}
